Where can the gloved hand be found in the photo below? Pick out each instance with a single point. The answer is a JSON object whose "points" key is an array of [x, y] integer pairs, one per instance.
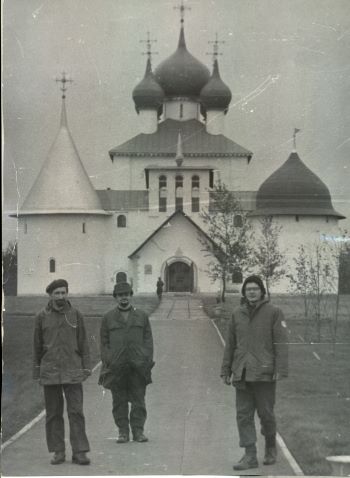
{"points": [[226, 379]]}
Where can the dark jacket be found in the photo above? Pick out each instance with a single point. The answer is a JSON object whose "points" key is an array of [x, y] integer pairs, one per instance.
{"points": [[257, 342], [125, 345], [61, 351]]}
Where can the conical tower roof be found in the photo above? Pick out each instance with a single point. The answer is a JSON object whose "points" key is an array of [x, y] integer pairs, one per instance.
{"points": [[148, 94], [293, 189], [62, 185], [216, 94], [182, 74]]}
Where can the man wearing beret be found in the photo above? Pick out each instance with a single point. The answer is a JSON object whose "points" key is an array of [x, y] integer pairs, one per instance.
{"points": [[61, 364], [255, 357], [127, 360]]}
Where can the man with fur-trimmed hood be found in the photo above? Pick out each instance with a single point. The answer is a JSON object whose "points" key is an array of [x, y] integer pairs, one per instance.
{"points": [[255, 357]]}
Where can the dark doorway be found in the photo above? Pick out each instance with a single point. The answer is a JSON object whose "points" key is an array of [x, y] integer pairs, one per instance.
{"points": [[179, 277]]}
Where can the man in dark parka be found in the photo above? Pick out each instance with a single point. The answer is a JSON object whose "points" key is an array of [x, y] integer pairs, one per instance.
{"points": [[255, 357], [127, 360], [61, 364]]}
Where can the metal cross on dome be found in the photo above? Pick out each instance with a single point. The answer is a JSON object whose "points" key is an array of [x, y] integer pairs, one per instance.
{"points": [[149, 42], [63, 80], [215, 44], [182, 9]]}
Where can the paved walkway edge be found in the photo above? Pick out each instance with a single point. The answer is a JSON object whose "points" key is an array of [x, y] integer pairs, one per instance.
{"points": [[29, 425], [289, 457]]}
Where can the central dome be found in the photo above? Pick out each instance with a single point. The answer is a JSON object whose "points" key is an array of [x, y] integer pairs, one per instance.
{"points": [[182, 74]]}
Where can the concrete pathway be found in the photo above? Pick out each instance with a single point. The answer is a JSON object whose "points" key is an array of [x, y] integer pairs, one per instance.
{"points": [[191, 418]]}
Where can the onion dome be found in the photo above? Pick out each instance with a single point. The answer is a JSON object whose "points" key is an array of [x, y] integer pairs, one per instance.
{"points": [[294, 190], [182, 75], [216, 95], [148, 94]]}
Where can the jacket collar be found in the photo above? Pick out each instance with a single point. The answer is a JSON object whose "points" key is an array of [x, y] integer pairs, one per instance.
{"points": [[245, 305], [119, 316], [52, 308]]}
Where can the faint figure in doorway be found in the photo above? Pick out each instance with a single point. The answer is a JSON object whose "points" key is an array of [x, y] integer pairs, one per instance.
{"points": [[160, 285]]}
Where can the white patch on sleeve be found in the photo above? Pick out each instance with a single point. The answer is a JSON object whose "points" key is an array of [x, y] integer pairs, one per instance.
{"points": [[283, 323]]}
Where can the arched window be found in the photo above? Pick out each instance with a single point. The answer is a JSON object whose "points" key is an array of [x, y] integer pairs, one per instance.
{"points": [[83, 228], [237, 277], [237, 220], [162, 204], [181, 110], [179, 200], [121, 221], [25, 228], [195, 194], [121, 277], [52, 265]]}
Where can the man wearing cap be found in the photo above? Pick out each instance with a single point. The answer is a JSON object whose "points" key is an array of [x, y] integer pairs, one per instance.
{"points": [[61, 364], [127, 360], [255, 357]]}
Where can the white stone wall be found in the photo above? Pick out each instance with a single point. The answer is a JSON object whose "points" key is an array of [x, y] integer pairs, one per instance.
{"points": [[307, 231], [181, 109], [187, 190], [130, 171], [148, 120], [215, 122], [80, 258], [178, 240]]}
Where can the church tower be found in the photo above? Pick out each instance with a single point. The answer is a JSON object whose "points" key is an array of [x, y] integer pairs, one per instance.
{"points": [[61, 222]]}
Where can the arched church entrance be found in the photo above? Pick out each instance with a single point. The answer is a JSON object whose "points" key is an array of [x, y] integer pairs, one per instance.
{"points": [[179, 277]]}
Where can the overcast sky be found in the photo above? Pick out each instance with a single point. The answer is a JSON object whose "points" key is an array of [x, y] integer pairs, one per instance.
{"points": [[287, 63]]}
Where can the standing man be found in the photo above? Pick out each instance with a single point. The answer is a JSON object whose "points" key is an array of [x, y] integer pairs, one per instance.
{"points": [[160, 285], [61, 364], [127, 360], [255, 357]]}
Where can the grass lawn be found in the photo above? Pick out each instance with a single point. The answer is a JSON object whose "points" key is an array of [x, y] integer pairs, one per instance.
{"points": [[22, 397], [313, 404]]}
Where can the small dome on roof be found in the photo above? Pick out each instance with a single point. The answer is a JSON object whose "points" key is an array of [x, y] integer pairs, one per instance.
{"points": [[148, 94], [294, 190], [182, 74], [216, 95]]}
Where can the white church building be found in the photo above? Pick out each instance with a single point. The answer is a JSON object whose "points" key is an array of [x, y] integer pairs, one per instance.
{"points": [[147, 223]]}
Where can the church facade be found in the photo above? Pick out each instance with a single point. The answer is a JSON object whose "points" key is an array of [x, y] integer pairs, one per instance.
{"points": [[147, 224]]}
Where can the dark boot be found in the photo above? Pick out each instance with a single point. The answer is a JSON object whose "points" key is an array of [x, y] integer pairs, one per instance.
{"points": [[270, 455], [248, 460], [123, 437], [58, 458], [80, 458], [140, 437]]}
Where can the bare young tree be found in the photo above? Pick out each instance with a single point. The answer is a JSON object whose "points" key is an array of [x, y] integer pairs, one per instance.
{"points": [[266, 259], [314, 278], [339, 248], [9, 265], [227, 226]]}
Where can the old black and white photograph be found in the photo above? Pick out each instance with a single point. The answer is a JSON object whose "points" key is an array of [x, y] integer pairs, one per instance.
{"points": [[176, 237]]}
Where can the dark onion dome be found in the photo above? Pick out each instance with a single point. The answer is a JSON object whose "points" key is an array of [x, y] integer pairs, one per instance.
{"points": [[294, 190], [216, 95], [148, 94], [182, 75]]}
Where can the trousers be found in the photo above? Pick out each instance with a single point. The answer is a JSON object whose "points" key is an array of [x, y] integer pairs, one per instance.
{"points": [[54, 404], [130, 389], [251, 397]]}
